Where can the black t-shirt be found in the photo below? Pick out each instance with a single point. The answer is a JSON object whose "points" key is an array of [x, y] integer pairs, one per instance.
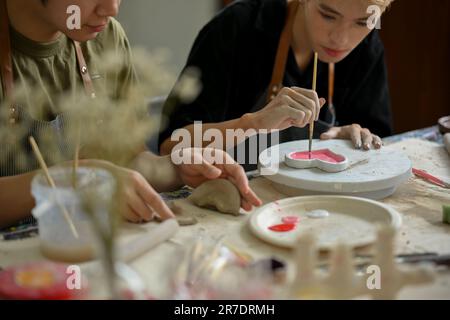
{"points": [[235, 53]]}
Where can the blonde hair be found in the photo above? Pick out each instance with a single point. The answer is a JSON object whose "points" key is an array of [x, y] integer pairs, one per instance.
{"points": [[382, 3]]}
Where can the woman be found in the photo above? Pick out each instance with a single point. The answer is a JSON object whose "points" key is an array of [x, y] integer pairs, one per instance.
{"points": [[236, 53], [40, 51]]}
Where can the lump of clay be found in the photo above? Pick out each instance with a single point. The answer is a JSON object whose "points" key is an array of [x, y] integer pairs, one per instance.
{"points": [[218, 194], [183, 218]]}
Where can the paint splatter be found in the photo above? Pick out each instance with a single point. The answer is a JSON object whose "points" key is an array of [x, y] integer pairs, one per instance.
{"points": [[291, 219], [318, 214], [284, 227]]}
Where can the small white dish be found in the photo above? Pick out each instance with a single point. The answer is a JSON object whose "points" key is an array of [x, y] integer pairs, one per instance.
{"points": [[351, 220]]}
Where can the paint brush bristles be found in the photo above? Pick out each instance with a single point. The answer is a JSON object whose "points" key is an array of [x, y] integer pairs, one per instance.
{"points": [[50, 181], [314, 84]]}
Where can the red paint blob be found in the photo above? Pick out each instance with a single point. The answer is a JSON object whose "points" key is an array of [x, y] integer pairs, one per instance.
{"points": [[324, 155], [284, 227], [37, 281], [291, 219]]}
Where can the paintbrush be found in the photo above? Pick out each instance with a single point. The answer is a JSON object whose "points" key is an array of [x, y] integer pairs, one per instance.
{"points": [[50, 181], [430, 178], [314, 84]]}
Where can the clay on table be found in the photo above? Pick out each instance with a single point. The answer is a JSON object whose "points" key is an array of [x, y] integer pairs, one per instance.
{"points": [[183, 218], [219, 194]]}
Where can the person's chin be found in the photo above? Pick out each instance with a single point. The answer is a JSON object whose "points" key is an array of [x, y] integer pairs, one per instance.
{"points": [[83, 36], [325, 57]]}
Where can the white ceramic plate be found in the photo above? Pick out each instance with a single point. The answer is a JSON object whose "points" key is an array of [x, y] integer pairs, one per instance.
{"points": [[374, 174], [351, 220]]}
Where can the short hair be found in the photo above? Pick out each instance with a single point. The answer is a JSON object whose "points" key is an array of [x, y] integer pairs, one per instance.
{"points": [[382, 3]]}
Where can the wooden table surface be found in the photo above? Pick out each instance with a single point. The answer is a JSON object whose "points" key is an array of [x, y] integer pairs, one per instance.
{"points": [[418, 202]]}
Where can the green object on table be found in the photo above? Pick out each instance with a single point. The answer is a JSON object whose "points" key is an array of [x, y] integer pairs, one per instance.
{"points": [[446, 214]]}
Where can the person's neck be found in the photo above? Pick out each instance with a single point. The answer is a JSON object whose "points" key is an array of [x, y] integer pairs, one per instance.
{"points": [[25, 18], [300, 42]]}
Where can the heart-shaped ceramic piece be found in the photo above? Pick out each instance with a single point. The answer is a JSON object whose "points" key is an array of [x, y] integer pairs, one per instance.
{"points": [[324, 159]]}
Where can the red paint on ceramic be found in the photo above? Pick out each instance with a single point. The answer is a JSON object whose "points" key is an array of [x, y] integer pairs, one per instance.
{"points": [[324, 155], [291, 220], [284, 227]]}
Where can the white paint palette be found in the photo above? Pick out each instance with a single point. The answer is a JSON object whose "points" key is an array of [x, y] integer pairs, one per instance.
{"points": [[373, 174], [350, 220]]}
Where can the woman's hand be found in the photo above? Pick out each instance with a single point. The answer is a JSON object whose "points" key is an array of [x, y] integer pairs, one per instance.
{"points": [[291, 107], [200, 165], [139, 201], [361, 137]]}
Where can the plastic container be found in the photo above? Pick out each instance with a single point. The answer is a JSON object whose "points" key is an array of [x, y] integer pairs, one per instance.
{"points": [[58, 241]]}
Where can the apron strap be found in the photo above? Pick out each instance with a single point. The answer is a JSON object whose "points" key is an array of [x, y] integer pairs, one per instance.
{"points": [[282, 55], [283, 50], [84, 71]]}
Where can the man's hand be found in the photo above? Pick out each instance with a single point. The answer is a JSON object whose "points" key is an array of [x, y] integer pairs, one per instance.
{"points": [[200, 165], [139, 201], [291, 107]]}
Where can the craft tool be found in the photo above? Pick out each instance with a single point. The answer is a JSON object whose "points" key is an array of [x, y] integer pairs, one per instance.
{"points": [[50, 181], [430, 178], [20, 234]]}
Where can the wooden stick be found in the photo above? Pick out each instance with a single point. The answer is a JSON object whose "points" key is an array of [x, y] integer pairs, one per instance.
{"points": [[50, 181], [314, 86]]}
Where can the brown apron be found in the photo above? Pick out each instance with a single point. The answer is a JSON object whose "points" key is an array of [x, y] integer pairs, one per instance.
{"points": [[276, 84]]}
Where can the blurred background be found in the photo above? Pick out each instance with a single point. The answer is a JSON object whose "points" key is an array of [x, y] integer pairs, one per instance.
{"points": [[416, 34]]}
